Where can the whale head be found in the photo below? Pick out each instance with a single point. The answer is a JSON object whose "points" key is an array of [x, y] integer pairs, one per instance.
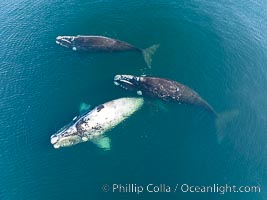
{"points": [[65, 41], [66, 137], [128, 82]]}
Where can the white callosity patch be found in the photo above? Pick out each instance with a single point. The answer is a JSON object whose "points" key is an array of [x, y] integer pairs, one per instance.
{"points": [[124, 81], [59, 37], [64, 40], [74, 48], [54, 139], [127, 77], [117, 77], [67, 141]]}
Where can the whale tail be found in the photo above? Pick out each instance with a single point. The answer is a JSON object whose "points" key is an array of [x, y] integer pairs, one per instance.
{"points": [[148, 52], [221, 122]]}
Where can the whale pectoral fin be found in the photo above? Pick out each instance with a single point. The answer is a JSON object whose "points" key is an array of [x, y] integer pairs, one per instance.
{"points": [[160, 106], [103, 142], [84, 108]]}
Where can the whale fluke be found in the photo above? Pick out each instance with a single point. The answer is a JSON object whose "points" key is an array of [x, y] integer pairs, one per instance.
{"points": [[221, 122], [148, 53]]}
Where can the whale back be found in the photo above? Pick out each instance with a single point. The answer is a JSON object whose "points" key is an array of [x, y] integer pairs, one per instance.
{"points": [[170, 90], [100, 43]]}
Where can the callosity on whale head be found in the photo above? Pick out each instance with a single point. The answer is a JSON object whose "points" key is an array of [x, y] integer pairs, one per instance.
{"points": [[128, 82], [66, 137], [66, 41]]}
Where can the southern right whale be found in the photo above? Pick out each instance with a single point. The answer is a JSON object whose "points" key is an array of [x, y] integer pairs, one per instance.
{"points": [[165, 89], [92, 125], [92, 43], [169, 90]]}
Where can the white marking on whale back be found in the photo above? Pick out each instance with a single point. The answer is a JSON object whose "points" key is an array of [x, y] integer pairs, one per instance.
{"points": [[74, 48], [110, 115], [116, 83]]}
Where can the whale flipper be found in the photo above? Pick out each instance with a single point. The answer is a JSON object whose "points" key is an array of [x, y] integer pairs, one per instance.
{"points": [[103, 142], [148, 52], [84, 108]]}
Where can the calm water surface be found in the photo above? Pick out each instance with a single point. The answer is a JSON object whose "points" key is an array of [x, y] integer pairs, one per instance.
{"points": [[217, 48]]}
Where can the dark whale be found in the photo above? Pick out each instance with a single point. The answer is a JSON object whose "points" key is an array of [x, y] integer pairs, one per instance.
{"points": [[169, 90], [165, 89], [103, 44]]}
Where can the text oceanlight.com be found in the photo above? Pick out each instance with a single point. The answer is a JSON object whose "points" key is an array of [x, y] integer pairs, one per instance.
{"points": [[182, 188]]}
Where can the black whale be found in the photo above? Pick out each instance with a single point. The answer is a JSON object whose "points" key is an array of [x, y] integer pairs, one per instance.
{"points": [[103, 44], [164, 89]]}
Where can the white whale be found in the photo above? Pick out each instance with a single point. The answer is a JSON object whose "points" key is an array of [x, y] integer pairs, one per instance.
{"points": [[92, 125]]}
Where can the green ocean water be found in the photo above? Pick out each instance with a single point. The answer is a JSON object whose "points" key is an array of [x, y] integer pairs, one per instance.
{"points": [[218, 48]]}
